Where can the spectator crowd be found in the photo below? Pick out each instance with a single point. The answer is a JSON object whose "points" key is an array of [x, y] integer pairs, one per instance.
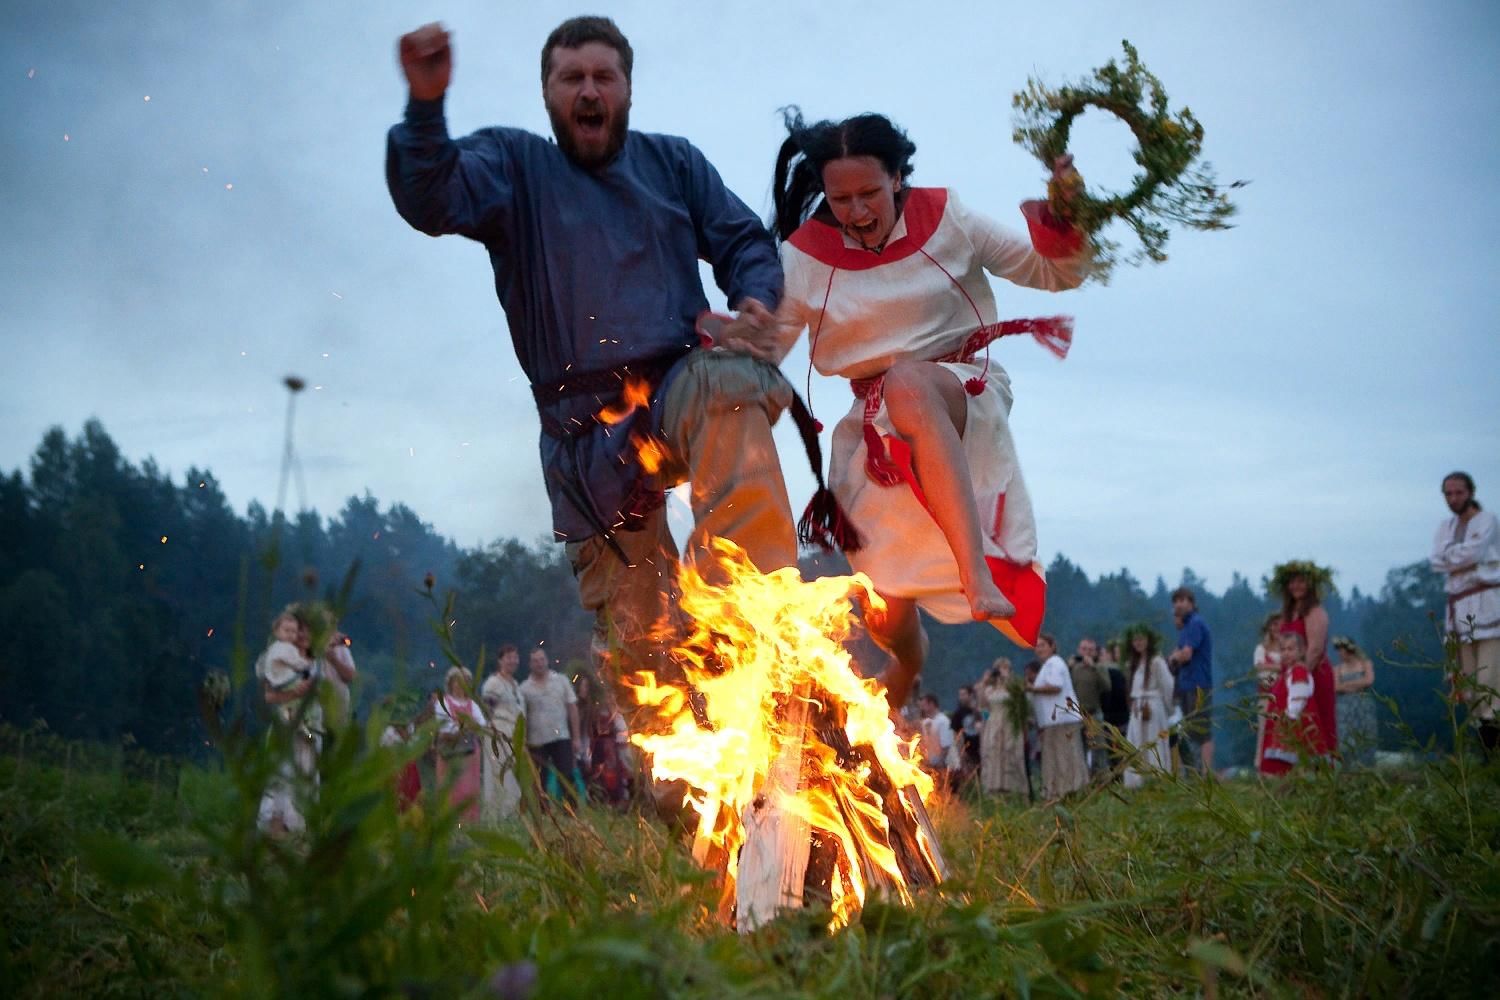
{"points": [[1131, 708]]}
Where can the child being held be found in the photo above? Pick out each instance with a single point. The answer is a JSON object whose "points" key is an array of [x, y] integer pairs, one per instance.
{"points": [[285, 673], [1293, 719]]}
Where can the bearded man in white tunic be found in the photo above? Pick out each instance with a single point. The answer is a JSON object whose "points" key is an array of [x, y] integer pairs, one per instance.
{"points": [[1467, 549]]}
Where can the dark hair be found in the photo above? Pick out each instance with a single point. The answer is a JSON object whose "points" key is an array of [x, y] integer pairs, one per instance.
{"points": [[809, 148], [1135, 661], [509, 647], [1468, 482], [929, 697], [1050, 639], [1186, 592], [576, 32]]}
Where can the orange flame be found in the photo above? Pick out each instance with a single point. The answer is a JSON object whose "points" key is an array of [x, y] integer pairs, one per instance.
{"points": [[635, 395], [651, 452], [780, 742]]}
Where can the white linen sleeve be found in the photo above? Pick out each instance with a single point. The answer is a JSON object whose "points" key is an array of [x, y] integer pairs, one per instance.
{"points": [[1162, 675], [1007, 253], [1480, 536], [1437, 560], [794, 312], [1299, 688], [444, 717]]}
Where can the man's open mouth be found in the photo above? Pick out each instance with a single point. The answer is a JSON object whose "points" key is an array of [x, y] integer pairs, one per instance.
{"points": [[589, 121]]}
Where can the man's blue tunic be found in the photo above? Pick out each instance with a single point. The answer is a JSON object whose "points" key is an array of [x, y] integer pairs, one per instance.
{"points": [[597, 271]]}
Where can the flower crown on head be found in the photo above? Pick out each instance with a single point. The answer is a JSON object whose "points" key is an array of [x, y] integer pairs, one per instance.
{"points": [[1319, 578], [1127, 638]]}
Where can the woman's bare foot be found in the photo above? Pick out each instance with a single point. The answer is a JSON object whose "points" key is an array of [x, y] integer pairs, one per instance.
{"points": [[986, 601], [897, 679]]}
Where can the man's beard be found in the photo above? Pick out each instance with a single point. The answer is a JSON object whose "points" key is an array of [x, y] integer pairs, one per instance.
{"points": [[562, 131]]}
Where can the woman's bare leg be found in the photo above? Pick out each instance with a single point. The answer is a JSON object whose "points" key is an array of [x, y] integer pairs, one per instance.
{"points": [[928, 409], [898, 630]]}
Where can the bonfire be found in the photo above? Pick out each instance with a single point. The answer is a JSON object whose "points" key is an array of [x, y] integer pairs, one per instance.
{"points": [[803, 791]]}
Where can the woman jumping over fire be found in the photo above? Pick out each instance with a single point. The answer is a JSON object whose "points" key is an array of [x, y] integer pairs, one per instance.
{"points": [[890, 281]]}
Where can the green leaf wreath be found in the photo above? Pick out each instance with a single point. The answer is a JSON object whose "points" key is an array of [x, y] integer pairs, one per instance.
{"points": [[1154, 642], [1017, 705], [1171, 188], [1319, 578]]}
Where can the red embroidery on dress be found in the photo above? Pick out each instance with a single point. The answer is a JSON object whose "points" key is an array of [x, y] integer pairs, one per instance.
{"points": [[995, 534]]}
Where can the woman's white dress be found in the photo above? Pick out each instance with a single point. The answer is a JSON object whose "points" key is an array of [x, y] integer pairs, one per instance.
{"points": [[922, 298], [1002, 747], [1150, 701], [501, 795]]}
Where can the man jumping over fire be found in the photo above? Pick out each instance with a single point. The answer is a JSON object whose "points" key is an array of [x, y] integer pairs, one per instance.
{"points": [[595, 242]]}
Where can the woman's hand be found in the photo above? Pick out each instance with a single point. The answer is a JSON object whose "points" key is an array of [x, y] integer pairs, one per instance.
{"points": [[1065, 185], [752, 332]]}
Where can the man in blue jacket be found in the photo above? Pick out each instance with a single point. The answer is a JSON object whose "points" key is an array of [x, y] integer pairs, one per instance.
{"points": [[1193, 664], [595, 241]]}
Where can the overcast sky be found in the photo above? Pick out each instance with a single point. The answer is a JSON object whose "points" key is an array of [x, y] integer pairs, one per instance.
{"points": [[194, 206]]}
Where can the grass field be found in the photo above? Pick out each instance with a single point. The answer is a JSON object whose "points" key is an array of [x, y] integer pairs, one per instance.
{"points": [[125, 876]]}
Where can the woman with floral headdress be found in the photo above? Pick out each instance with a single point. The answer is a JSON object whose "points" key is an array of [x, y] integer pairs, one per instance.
{"points": [[1002, 740], [1150, 699], [1301, 585], [1354, 676], [890, 281]]}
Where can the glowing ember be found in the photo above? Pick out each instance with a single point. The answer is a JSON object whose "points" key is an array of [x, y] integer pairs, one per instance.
{"points": [[785, 750]]}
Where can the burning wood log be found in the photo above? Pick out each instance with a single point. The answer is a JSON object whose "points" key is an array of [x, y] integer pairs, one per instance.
{"points": [[773, 861], [788, 860]]}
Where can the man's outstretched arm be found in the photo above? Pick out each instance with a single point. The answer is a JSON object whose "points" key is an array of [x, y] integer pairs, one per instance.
{"points": [[438, 185]]}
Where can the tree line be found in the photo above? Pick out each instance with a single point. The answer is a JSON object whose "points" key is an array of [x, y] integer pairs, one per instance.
{"points": [[120, 589]]}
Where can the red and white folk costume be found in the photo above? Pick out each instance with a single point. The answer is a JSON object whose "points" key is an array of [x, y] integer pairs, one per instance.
{"points": [[1297, 721], [925, 296]]}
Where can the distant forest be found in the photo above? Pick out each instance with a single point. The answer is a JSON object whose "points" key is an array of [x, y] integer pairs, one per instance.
{"points": [[120, 590]]}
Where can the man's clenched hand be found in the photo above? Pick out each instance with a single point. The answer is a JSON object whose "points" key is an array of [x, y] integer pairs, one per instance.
{"points": [[427, 60]]}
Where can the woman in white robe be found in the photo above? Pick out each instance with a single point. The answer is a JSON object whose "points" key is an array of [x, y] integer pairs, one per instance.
{"points": [[1150, 701], [287, 676], [890, 281], [1002, 743], [501, 795]]}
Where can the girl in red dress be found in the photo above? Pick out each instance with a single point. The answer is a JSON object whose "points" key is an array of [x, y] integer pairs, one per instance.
{"points": [[1296, 722]]}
